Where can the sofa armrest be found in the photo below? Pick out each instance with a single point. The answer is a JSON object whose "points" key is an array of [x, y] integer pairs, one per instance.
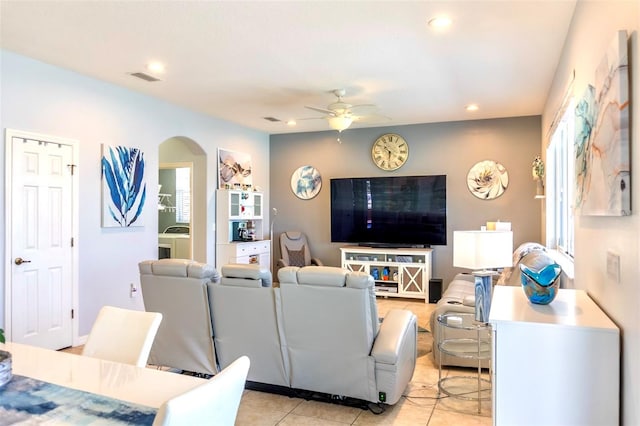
{"points": [[393, 331], [395, 352]]}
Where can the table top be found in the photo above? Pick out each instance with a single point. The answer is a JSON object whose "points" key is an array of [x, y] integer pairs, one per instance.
{"points": [[461, 320], [570, 308], [145, 386]]}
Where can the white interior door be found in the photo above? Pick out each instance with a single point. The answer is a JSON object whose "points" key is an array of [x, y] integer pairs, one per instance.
{"points": [[40, 231]]}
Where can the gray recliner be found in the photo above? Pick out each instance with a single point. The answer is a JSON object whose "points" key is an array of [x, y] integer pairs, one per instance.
{"points": [[177, 288], [246, 322], [319, 331], [295, 251]]}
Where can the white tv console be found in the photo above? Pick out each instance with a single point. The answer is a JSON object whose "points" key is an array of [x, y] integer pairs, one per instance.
{"points": [[408, 269]]}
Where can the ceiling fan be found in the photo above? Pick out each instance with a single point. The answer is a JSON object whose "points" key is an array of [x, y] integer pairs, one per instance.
{"points": [[340, 114]]}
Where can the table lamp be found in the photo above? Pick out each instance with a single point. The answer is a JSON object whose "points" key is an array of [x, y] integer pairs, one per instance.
{"points": [[482, 251]]}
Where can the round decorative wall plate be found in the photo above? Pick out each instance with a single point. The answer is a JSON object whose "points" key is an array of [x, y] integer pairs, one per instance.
{"points": [[306, 182], [487, 180]]}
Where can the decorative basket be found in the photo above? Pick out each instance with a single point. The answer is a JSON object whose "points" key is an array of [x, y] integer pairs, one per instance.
{"points": [[5, 367]]}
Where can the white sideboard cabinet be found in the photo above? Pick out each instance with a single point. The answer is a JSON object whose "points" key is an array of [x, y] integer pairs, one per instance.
{"points": [[556, 364], [239, 228], [397, 272]]}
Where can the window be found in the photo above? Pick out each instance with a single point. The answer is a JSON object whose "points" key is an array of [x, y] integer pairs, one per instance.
{"points": [[183, 195], [561, 184]]}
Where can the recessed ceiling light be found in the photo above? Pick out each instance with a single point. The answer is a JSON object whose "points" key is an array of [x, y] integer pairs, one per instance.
{"points": [[291, 122], [439, 22], [472, 107], [155, 67]]}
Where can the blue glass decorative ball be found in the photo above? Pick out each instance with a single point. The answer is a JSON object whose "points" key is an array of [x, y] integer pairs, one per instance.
{"points": [[541, 286]]}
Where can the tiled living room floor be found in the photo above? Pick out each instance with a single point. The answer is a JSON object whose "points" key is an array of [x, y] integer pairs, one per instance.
{"points": [[421, 404]]}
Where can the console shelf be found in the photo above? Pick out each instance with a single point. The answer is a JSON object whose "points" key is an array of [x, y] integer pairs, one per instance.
{"points": [[398, 272]]}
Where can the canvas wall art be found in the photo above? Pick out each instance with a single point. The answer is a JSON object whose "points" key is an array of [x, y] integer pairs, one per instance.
{"points": [[601, 144], [124, 187], [306, 182], [234, 169], [487, 180]]}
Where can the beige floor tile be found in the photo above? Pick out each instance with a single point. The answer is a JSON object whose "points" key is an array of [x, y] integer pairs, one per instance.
{"points": [[249, 416], [297, 420], [447, 418], [260, 401], [408, 411], [326, 411]]}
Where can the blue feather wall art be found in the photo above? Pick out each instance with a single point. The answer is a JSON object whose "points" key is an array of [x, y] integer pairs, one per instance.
{"points": [[124, 188]]}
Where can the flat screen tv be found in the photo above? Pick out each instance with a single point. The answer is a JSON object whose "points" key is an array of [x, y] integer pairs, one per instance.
{"points": [[399, 211]]}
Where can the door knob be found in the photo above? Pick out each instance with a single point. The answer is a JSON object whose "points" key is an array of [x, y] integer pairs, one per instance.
{"points": [[20, 261]]}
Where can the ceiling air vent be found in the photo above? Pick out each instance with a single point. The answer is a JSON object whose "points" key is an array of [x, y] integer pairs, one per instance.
{"points": [[145, 77], [272, 119]]}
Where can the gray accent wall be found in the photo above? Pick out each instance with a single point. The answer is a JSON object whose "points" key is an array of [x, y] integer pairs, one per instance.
{"points": [[443, 148]]}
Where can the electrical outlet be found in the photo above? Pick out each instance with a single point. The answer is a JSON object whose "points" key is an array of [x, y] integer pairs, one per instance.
{"points": [[133, 291], [613, 266]]}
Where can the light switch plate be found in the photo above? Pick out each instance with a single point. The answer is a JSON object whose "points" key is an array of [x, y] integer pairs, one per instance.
{"points": [[613, 266]]}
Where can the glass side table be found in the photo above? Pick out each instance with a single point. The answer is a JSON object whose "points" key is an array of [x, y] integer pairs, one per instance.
{"points": [[472, 388]]}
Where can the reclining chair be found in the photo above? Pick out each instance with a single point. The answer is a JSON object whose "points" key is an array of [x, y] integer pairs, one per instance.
{"points": [[245, 322], [294, 250], [177, 288], [334, 341]]}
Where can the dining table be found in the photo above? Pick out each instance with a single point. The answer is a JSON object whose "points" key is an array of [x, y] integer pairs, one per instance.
{"points": [[62, 387]]}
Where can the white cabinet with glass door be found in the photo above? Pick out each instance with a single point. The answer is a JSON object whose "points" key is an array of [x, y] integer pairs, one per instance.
{"points": [[239, 228]]}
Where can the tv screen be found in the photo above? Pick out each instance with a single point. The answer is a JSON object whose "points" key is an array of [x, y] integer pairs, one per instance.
{"points": [[390, 211]]}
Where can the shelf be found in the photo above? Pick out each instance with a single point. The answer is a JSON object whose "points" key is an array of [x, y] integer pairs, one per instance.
{"points": [[409, 269], [467, 348]]}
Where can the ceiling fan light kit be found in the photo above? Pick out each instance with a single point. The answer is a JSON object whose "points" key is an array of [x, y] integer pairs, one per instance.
{"points": [[340, 123], [340, 115]]}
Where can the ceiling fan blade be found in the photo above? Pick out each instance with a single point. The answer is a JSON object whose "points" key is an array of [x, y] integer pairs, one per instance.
{"points": [[371, 119], [365, 109], [311, 118], [326, 111]]}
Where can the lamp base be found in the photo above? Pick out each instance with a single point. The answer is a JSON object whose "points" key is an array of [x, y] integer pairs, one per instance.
{"points": [[483, 290]]}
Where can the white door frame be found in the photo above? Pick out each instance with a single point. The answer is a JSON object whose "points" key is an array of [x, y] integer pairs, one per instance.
{"points": [[8, 249]]}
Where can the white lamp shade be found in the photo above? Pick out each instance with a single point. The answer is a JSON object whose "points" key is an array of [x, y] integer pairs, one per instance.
{"points": [[482, 249]]}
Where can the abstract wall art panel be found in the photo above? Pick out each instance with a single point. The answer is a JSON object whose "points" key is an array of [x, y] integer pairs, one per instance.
{"points": [[234, 169], [602, 137], [124, 187]]}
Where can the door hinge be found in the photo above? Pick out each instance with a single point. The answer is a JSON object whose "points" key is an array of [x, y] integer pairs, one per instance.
{"points": [[72, 167], [72, 314], [72, 242]]}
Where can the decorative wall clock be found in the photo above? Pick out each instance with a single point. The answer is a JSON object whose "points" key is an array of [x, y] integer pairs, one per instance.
{"points": [[487, 180], [390, 151], [306, 182]]}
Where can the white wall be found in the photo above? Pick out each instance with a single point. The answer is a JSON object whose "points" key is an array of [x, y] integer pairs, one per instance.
{"points": [[40, 98], [593, 28]]}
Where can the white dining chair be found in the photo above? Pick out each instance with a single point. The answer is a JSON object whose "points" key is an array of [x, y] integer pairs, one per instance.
{"points": [[213, 403], [122, 335]]}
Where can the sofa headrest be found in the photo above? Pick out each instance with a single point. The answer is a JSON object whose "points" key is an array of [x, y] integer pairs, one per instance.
{"points": [[359, 280], [182, 268], [245, 272], [288, 274], [328, 276], [293, 235], [241, 282]]}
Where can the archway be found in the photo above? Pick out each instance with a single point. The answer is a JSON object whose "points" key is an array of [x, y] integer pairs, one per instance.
{"points": [[181, 152]]}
